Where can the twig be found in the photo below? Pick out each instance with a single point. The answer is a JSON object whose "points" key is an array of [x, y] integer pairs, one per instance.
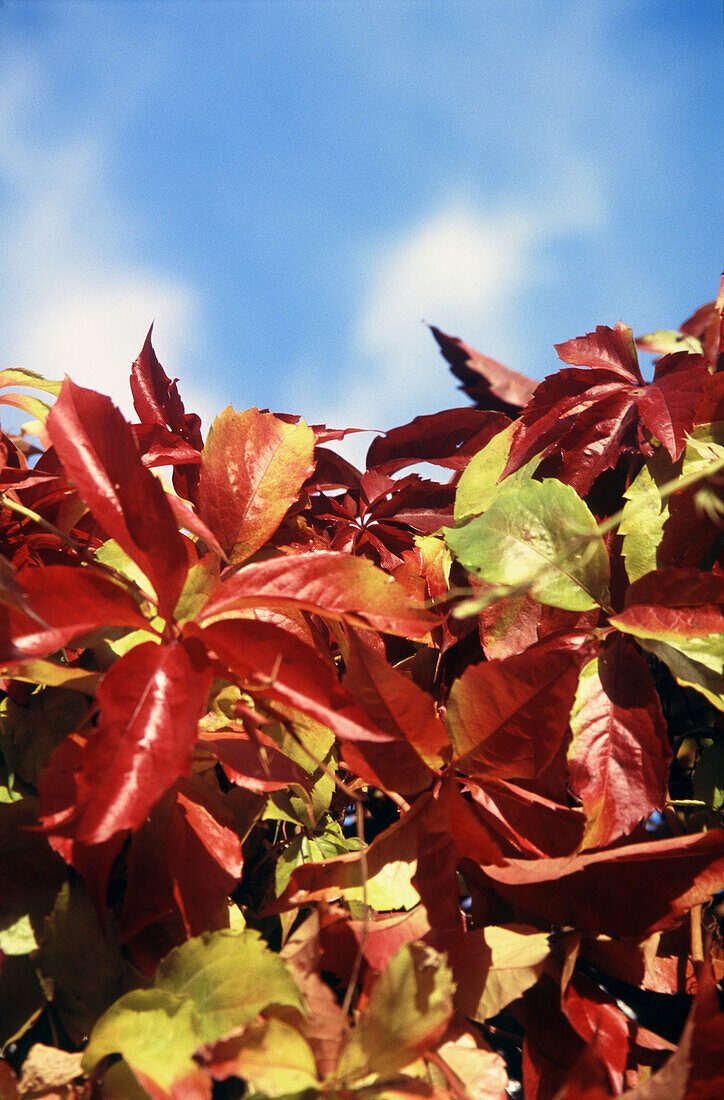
{"points": [[365, 918], [696, 938]]}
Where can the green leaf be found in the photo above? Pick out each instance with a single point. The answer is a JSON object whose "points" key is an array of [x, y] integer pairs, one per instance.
{"points": [[116, 558], [478, 487], [317, 744], [229, 977], [119, 1082], [323, 845], [46, 673], [709, 776], [156, 1033], [18, 376], [271, 1056], [80, 966], [694, 662], [203, 990], [668, 341], [644, 515], [409, 1009], [38, 409], [19, 938], [540, 537], [201, 580]]}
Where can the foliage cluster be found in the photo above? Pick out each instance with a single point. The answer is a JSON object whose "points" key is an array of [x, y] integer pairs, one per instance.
{"points": [[356, 784]]}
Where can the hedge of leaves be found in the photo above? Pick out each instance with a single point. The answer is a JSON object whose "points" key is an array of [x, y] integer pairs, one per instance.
{"points": [[325, 782]]}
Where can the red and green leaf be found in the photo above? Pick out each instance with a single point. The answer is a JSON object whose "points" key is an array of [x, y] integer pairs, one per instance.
{"points": [[253, 468]]}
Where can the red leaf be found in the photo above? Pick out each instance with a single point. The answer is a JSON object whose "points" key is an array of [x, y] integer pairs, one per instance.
{"points": [[583, 420], [203, 855], [284, 670], [11, 592], [150, 704], [56, 788], [706, 1029], [257, 769], [325, 1025], [597, 1019], [187, 519], [67, 602], [156, 400], [618, 761], [395, 702], [551, 1045], [529, 821], [667, 404], [606, 349], [508, 718], [332, 584], [690, 533], [398, 706], [695, 1070], [508, 625], [160, 447], [253, 469], [622, 892], [487, 382], [448, 439], [101, 458], [674, 603]]}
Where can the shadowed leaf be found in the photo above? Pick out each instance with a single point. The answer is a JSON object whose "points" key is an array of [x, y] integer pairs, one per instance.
{"points": [[618, 761]]}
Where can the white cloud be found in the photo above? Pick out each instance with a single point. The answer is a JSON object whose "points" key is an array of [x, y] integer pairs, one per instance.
{"points": [[467, 271], [94, 332], [73, 297]]}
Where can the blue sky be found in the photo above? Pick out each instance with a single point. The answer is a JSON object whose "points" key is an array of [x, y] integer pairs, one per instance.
{"points": [[289, 187]]}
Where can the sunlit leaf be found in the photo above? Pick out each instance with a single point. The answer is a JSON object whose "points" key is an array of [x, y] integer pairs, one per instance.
{"points": [[331, 584], [480, 484], [150, 702], [201, 992], [271, 1056], [253, 468], [507, 718], [409, 1008], [541, 537], [101, 458]]}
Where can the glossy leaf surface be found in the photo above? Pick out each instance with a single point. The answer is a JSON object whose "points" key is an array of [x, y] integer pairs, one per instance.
{"points": [[252, 470], [100, 456]]}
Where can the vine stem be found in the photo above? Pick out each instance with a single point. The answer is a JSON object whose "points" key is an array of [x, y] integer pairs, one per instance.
{"points": [[696, 938], [359, 812]]}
